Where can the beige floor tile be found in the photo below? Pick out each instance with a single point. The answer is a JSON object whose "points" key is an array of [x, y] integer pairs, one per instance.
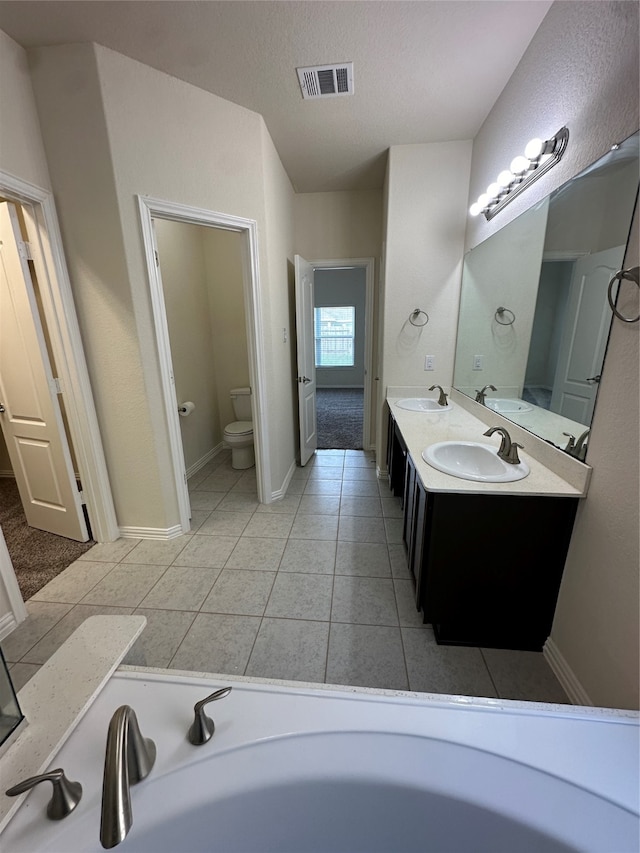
{"points": [[181, 588], [269, 525], [125, 586], [291, 649], [217, 643], [256, 553], [244, 593], [207, 552], [74, 582]]}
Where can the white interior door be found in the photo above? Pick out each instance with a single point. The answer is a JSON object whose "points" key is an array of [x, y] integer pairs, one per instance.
{"points": [[584, 340], [306, 359], [29, 410]]}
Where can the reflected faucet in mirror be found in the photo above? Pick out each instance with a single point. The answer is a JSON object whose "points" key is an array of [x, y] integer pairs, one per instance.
{"points": [[480, 395], [577, 447]]}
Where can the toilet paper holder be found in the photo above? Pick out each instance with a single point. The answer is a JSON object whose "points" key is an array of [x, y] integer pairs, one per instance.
{"points": [[185, 409]]}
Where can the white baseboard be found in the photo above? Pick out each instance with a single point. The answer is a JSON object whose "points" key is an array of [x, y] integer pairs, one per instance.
{"points": [[151, 532], [565, 675], [193, 469], [280, 493]]}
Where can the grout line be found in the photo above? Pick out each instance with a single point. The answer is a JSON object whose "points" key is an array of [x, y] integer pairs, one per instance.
{"points": [[495, 686]]}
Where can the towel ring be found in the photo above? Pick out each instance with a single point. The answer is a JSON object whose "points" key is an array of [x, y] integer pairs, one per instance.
{"points": [[502, 311], [417, 312], [629, 275]]}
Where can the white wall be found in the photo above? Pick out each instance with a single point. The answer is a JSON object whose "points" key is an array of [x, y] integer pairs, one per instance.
{"points": [[581, 70]]}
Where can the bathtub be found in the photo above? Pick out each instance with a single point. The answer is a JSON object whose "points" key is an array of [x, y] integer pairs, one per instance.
{"points": [[302, 769]]}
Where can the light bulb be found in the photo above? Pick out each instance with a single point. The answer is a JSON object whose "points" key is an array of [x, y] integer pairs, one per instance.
{"points": [[494, 190], [534, 149], [505, 178], [475, 209], [483, 200], [519, 165]]}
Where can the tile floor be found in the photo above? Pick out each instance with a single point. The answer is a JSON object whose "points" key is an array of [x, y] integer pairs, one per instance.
{"points": [[314, 587]]}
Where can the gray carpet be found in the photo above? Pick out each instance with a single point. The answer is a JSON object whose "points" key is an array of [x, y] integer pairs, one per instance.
{"points": [[37, 556], [339, 416]]}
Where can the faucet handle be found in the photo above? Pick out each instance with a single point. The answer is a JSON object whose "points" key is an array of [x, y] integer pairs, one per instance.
{"points": [[66, 794], [203, 726], [571, 442], [512, 456]]}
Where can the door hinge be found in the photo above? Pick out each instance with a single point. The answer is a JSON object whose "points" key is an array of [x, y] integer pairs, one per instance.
{"points": [[155, 252], [56, 386], [24, 250], [81, 496]]}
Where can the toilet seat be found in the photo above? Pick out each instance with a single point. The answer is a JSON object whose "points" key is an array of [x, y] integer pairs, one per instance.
{"points": [[239, 428]]}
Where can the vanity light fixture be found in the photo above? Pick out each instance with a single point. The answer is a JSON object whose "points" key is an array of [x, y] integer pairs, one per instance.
{"points": [[539, 156]]}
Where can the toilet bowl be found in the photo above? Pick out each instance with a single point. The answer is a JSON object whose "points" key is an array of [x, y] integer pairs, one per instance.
{"points": [[239, 434]]}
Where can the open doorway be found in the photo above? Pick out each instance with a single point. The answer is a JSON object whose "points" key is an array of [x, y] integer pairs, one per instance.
{"points": [[57, 346], [339, 348], [343, 350], [202, 282], [246, 230]]}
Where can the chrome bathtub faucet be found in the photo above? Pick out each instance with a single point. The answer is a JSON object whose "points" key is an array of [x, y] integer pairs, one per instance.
{"points": [[128, 760], [508, 449]]}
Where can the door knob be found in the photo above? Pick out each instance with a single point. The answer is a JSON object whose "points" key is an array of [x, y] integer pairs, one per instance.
{"points": [[2, 408], [304, 379], [594, 378]]}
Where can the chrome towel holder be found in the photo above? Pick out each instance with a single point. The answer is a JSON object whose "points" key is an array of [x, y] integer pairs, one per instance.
{"points": [[632, 274], [500, 313], [415, 315]]}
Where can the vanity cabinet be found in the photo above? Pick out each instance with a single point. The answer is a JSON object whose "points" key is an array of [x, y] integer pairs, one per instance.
{"points": [[396, 458], [491, 567]]}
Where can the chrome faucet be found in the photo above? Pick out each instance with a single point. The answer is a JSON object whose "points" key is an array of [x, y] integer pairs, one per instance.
{"points": [[128, 760], [480, 395], [508, 449], [577, 447], [442, 397]]}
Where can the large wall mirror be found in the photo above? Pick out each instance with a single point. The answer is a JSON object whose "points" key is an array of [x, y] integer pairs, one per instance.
{"points": [[534, 316]]}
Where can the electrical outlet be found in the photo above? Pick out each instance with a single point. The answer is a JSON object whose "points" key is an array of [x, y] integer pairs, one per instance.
{"points": [[477, 362], [428, 362]]}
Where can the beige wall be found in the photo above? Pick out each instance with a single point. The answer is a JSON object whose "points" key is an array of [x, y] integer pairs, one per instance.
{"points": [[339, 224], [223, 264], [186, 297], [21, 149], [426, 218], [136, 130], [581, 70]]}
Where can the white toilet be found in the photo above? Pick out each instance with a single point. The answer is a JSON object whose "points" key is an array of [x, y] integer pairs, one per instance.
{"points": [[239, 434]]}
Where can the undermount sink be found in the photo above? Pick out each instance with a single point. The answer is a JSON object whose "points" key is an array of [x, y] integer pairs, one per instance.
{"points": [[506, 406], [472, 460], [422, 404]]}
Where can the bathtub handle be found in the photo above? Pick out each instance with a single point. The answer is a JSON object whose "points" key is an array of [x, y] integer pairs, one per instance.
{"points": [[203, 726]]}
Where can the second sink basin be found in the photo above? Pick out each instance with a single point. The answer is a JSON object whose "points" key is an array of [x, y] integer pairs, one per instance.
{"points": [[507, 406], [472, 460], [422, 404]]}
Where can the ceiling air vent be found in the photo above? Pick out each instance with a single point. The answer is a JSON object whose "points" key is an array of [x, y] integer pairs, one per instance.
{"points": [[326, 81]]}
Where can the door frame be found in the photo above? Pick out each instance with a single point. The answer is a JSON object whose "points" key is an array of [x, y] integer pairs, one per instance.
{"points": [[148, 209], [368, 264], [61, 321]]}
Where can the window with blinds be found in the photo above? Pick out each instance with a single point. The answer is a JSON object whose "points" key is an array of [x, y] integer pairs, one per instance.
{"points": [[334, 331]]}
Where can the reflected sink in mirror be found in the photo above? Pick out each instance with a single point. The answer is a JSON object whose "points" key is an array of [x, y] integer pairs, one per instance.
{"points": [[422, 404], [506, 406], [472, 460]]}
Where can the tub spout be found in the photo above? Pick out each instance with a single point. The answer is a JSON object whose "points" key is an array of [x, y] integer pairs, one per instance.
{"points": [[128, 760]]}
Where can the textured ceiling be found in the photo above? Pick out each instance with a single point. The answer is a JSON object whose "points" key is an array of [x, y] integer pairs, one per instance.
{"points": [[424, 71]]}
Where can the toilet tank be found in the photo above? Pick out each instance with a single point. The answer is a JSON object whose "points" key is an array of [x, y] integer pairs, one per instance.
{"points": [[241, 401]]}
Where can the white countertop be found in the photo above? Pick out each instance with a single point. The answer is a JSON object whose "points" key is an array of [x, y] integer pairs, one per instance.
{"points": [[420, 429]]}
